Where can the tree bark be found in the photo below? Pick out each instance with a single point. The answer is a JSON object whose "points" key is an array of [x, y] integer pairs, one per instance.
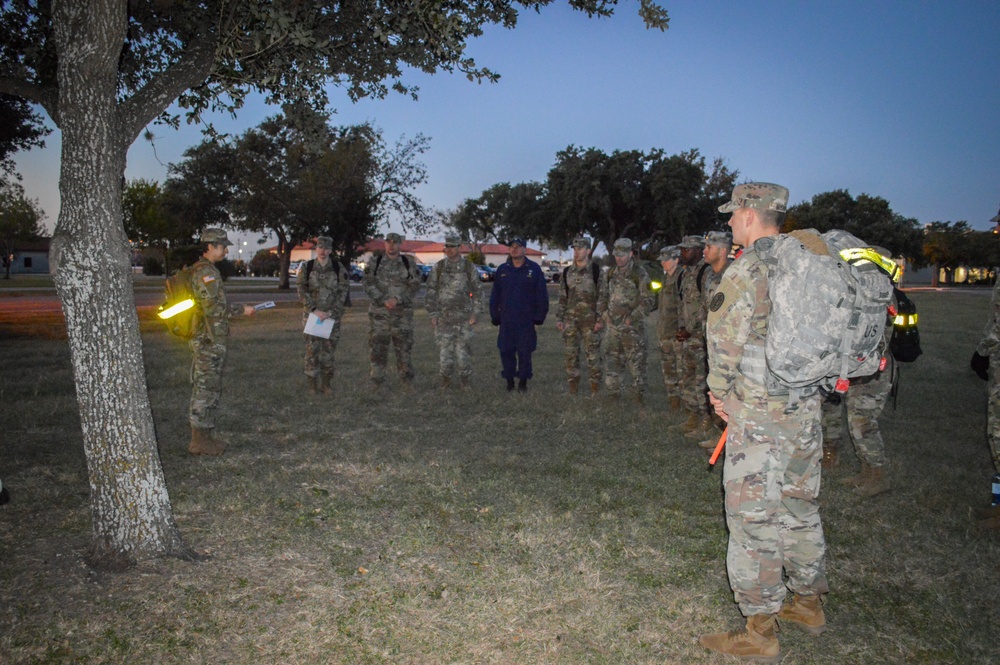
{"points": [[130, 507]]}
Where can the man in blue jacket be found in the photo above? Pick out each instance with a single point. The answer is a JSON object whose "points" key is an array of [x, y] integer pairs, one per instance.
{"points": [[519, 302]]}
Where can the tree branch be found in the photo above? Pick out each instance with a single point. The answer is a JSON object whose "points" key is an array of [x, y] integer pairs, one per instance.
{"points": [[47, 96]]}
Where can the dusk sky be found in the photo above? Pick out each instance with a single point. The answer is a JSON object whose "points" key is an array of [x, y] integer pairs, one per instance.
{"points": [[894, 99]]}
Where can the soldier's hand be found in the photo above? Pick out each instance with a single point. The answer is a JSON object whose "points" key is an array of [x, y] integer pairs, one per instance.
{"points": [[598, 326], [682, 335], [717, 405], [248, 310], [321, 315], [434, 322], [391, 303], [473, 320], [560, 326], [980, 365]]}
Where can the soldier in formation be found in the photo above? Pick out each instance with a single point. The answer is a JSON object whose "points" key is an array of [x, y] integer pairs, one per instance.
{"points": [[718, 244], [208, 346], [691, 336], [577, 319], [773, 453], [322, 285], [624, 302], [454, 303], [666, 325], [392, 282], [986, 362]]}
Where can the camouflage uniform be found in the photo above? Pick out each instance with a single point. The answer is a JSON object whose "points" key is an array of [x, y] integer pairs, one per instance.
{"points": [[624, 302], [324, 289], [773, 452], [989, 346], [666, 327], [691, 316], [863, 402], [454, 299], [208, 345], [384, 279], [577, 311]]}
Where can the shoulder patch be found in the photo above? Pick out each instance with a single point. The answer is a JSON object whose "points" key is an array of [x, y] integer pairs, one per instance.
{"points": [[717, 301], [208, 279]]}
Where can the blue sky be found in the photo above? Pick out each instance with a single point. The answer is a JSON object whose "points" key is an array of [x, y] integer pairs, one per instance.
{"points": [[890, 98]]}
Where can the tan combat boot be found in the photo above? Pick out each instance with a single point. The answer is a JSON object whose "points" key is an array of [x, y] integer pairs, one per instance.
{"points": [[806, 612], [703, 427], [594, 387], [691, 422], [463, 383], [874, 484], [574, 386], [757, 642], [204, 443], [675, 403], [325, 383], [856, 480], [312, 384], [445, 382]]}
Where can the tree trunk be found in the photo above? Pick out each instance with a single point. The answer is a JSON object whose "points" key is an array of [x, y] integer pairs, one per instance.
{"points": [[130, 508]]}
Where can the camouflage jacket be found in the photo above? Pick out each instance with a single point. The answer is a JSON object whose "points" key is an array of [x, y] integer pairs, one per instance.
{"points": [[668, 299], [387, 278], [990, 342], [625, 295], [453, 290], [736, 331], [691, 303], [323, 287], [206, 282], [578, 293]]}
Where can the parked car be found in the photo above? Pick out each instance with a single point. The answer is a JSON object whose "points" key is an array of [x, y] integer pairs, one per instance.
{"points": [[425, 270], [356, 273], [485, 273]]}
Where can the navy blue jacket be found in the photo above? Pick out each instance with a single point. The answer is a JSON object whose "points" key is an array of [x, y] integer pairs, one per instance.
{"points": [[519, 295]]}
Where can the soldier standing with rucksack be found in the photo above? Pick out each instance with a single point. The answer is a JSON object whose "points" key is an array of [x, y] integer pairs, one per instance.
{"points": [[208, 345], [576, 316], [322, 286], [391, 281], [454, 302]]}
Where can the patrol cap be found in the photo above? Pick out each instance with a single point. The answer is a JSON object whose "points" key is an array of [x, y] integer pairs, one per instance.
{"points": [[324, 242], [393, 237], [215, 237], [670, 252], [623, 247], [759, 196], [452, 240], [691, 242], [580, 242], [517, 240], [721, 238]]}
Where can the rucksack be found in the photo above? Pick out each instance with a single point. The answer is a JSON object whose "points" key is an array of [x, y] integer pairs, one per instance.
{"points": [[905, 342], [595, 269], [378, 262], [829, 295], [180, 311]]}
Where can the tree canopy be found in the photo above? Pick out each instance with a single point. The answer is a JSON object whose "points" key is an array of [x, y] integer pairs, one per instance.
{"points": [[20, 129], [20, 221]]}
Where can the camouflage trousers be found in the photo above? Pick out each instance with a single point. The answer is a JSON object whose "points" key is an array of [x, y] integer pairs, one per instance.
{"points": [[693, 370], [624, 346], [206, 380], [577, 336], [387, 327], [670, 363], [454, 341], [862, 405], [993, 410], [772, 481], [319, 353]]}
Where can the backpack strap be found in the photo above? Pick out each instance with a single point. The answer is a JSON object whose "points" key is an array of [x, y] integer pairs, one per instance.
{"points": [[701, 275], [309, 269]]}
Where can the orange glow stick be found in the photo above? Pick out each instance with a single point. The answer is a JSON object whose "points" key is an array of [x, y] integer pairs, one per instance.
{"points": [[719, 446]]}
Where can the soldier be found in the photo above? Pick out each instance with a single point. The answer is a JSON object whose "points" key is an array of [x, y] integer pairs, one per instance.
{"points": [[454, 302], [666, 324], [208, 346], [863, 403], [519, 301], [391, 281], [322, 285], [576, 316], [718, 244], [772, 468], [986, 363], [691, 335], [624, 302]]}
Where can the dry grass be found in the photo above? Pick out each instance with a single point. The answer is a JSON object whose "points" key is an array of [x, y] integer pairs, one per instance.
{"points": [[477, 527]]}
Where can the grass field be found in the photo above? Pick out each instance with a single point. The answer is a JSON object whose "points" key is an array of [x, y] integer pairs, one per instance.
{"points": [[479, 527]]}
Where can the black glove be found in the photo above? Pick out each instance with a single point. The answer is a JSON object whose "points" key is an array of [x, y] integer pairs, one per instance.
{"points": [[538, 323], [980, 365], [495, 322]]}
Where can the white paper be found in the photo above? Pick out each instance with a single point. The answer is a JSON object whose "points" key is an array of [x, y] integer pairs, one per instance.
{"points": [[318, 328], [264, 305]]}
